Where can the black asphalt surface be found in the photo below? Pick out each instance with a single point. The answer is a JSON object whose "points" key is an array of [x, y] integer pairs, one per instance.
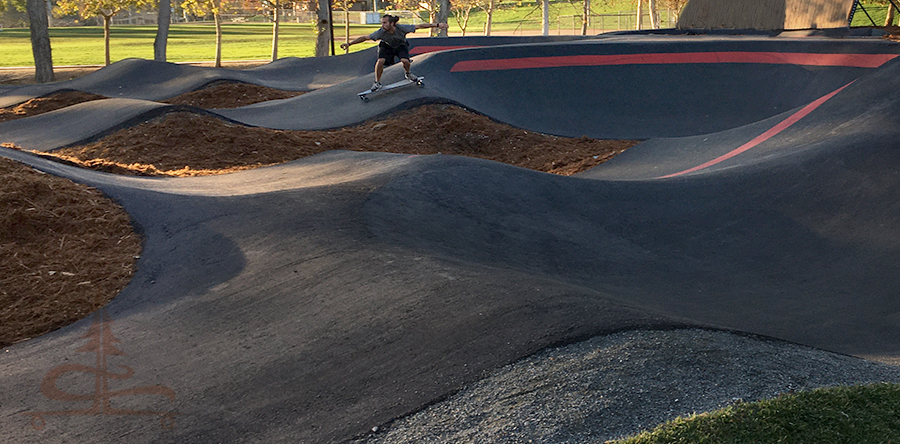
{"points": [[312, 301]]}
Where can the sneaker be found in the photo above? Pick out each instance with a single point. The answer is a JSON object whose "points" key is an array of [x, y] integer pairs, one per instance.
{"points": [[411, 77], [376, 86]]}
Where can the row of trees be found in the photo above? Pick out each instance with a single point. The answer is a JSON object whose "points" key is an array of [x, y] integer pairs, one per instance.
{"points": [[438, 10], [38, 13]]}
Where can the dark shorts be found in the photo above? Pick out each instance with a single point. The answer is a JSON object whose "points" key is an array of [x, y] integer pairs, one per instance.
{"points": [[387, 53]]}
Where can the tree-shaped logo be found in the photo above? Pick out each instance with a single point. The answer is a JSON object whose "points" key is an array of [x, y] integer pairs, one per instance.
{"points": [[101, 342]]}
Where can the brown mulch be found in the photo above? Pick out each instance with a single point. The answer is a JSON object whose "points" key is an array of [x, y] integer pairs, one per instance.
{"points": [[65, 250], [188, 144], [40, 105], [219, 95], [225, 94]]}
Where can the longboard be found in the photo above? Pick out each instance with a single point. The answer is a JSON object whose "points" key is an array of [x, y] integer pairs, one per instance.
{"points": [[364, 95]]}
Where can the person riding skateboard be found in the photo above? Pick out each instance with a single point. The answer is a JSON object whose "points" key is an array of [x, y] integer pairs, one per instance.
{"points": [[393, 44]]}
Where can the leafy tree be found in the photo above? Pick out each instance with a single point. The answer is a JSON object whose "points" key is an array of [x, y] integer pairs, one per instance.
{"points": [[203, 8], [13, 13], [462, 10], [675, 6], [432, 6], [489, 6], [889, 13], [102, 8]]}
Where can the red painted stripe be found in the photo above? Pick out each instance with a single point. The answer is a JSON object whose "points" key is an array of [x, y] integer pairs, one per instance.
{"points": [[781, 126], [423, 49], [789, 58]]}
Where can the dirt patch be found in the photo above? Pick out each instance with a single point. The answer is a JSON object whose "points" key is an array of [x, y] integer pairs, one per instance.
{"points": [[65, 251], [891, 32]]}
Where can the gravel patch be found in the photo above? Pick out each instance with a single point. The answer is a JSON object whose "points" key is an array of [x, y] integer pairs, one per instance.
{"points": [[613, 386]]}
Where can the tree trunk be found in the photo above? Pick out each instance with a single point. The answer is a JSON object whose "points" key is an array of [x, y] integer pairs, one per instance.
{"points": [[889, 19], [275, 19], [163, 17], [653, 6], [40, 40], [323, 28], [218, 40], [347, 25], [490, 18], [585, 17], [545, 17], [106, 20], [443, 16], [49, 14], [640, 15], [465, 23]]}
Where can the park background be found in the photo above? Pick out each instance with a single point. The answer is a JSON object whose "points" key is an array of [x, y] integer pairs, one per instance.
{"points": [[77, 39]]}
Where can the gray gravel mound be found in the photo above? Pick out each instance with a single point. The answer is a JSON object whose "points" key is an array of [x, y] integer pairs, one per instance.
{"points": [[618, 385]]}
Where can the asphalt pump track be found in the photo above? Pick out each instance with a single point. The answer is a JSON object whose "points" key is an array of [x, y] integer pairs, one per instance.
{"points": [[311, 301]]}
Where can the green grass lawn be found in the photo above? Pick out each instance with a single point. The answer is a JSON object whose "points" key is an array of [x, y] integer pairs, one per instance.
{"points": [[193, 42], [187, 43], [839, 415]]}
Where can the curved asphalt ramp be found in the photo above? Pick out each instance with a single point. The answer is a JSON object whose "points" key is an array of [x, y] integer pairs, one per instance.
{"points": [[150, 80], [617, 88], [312, 301]]}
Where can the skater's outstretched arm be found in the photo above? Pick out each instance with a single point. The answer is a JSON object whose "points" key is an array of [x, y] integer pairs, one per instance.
{"points": [[432, 25], [359, 39]]}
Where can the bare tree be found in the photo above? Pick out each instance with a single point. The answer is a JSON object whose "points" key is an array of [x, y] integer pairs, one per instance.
{"points": [[489, 6], [345, 6], [462, 10], [652, 5], [889, 15], [432, 6], [40, 40], [585, 16], [640, 15], [675, 7]]}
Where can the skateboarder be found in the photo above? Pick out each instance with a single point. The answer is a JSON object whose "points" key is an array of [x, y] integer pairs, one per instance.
{"points": [[393, 44]]}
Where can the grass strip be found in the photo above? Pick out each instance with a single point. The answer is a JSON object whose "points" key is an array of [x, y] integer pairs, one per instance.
{"points": [[835, 415]]}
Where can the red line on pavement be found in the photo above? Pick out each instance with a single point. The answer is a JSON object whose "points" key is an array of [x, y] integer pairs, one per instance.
{"points": [[781, 126], [786, 58]]}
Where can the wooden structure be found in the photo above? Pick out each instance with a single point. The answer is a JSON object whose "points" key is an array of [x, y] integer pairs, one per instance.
{"points": [[765, 14]]}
